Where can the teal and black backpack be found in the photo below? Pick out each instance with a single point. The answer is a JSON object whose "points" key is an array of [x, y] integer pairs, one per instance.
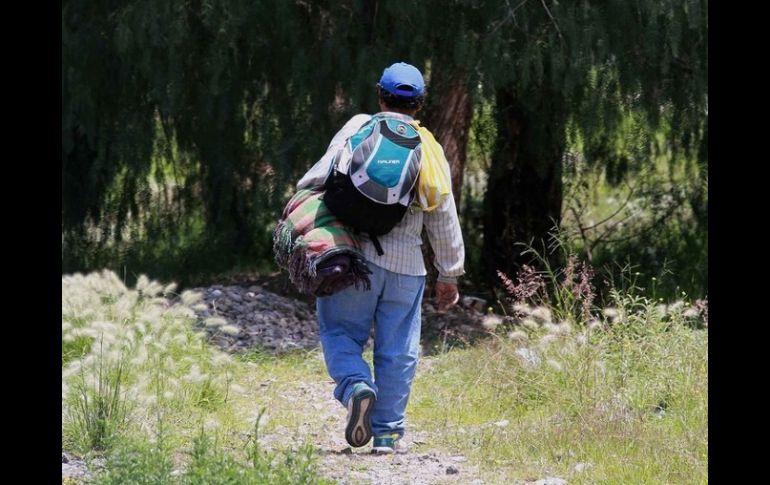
{"points": [[373, 177]]}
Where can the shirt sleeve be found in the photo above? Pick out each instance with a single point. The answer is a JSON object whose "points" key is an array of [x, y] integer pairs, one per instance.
{"points": [[446, 239]]}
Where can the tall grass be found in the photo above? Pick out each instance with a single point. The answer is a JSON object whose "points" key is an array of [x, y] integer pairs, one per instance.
{"points": [[208, 462], [616, 396], [129, 356], [138, 379]]}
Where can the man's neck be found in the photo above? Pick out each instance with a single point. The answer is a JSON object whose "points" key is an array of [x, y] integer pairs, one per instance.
{"points": [[410, 112], [402, 111], [398, 114]]}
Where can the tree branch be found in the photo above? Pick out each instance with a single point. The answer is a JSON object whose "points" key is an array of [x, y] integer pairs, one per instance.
{"points": [[555, 24]]}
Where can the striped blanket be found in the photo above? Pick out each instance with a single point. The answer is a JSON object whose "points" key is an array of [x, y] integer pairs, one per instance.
{"points": [[321, 255]]}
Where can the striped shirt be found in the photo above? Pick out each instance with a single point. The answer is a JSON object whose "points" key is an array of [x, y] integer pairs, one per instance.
{"points": [[402, 244]]}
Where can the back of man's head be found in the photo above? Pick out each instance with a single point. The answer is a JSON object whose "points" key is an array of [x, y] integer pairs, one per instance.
{"points": [[402, 87]]}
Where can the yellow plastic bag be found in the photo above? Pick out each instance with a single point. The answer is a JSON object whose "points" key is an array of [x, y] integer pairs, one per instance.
{"points": [[435, 181]]}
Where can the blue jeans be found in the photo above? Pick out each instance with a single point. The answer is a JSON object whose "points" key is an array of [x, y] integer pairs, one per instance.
{"points": [[393, 305]]}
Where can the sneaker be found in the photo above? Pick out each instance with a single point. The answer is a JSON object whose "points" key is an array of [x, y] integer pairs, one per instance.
{"points": [[387, 444], [359, 429]]}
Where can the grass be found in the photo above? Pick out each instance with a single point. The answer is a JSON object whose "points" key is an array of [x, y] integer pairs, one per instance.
{"points": [[625, 402], [209, 463], [630, 400], [141, 386]]}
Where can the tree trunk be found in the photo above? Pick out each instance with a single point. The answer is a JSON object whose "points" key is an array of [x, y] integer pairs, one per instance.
{"points": [[448, 117], [524, 189]]}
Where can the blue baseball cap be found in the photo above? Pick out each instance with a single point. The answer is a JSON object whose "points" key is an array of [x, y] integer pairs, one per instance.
{"points": [[402, 79]]}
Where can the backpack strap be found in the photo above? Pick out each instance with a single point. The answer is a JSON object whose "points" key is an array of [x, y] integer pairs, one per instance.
{"points": [[377, 244]]}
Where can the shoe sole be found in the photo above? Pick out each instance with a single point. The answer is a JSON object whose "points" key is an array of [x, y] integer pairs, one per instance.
{"points": [[383, 450], [359, 429]]}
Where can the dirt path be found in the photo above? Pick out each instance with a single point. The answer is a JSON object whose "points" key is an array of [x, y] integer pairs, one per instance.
{"points": [[337, 461]]}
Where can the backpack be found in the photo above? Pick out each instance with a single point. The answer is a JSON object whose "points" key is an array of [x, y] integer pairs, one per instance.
{"points": [[373, 177]]}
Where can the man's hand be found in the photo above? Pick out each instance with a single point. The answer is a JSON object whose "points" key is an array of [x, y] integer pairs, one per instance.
{"points": [[447, 295]]}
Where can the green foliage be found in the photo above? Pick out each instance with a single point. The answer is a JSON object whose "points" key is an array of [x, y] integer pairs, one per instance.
{"points": [[185, 124], [615, 73], [626, 398], [129, 358], [140, 463], [624, 395], [654, 221], [137, 378], [210, 464], [137, 463], [96, 406]]}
